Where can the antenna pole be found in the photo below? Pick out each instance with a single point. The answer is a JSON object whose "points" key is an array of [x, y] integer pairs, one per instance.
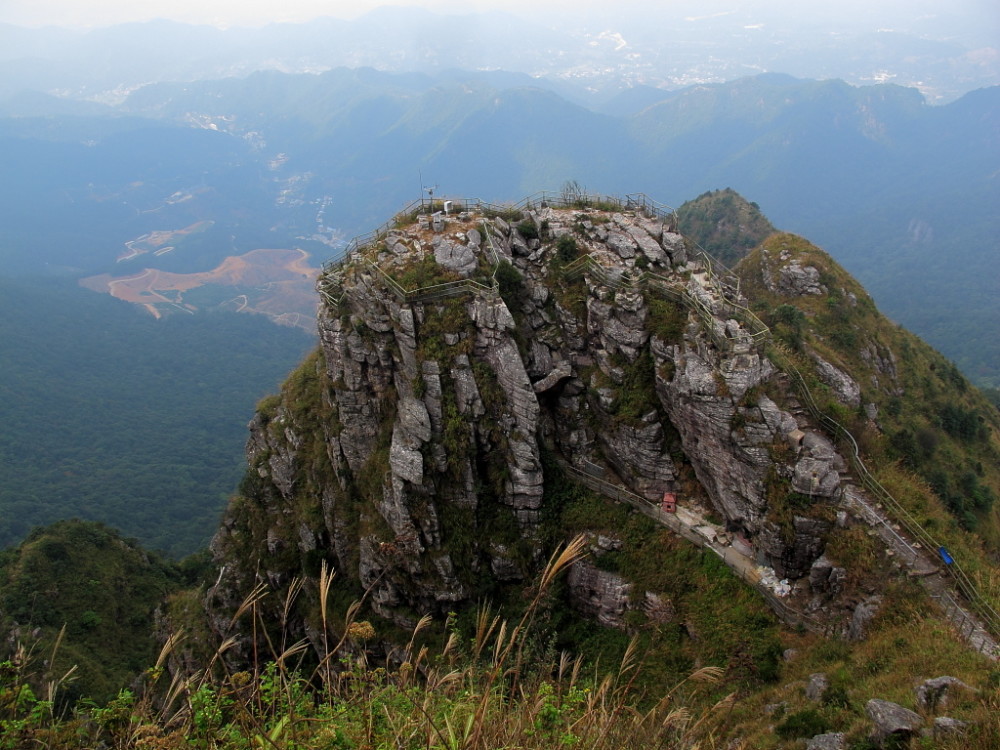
{"points": [[430, 195]]}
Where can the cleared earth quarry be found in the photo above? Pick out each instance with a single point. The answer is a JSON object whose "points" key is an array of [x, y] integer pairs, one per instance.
{"points": [[273, 282]]}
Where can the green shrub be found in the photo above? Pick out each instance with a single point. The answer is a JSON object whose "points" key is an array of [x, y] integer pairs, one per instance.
{"points": [[566, 248], [511, 283], [667, 319], [807, 723], [528, 230]]}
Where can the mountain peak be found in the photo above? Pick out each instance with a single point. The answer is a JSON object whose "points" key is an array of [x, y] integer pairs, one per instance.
{"points": [[477, 361]]}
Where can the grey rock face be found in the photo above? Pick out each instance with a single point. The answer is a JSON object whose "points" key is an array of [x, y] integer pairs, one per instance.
{"points": [[891, 719], [825, 578], [623, 244], [455, 257], [645, 238], [702, 412], [817, 472], [881, 359], [844, 387], [936, 693], [406, 462], [599, 594], [467, 396], [674, 245], [945, 726], [428, 410], [641, 457], [793, 559], [558, 373], [818, 683], [796, 280], [828, 741], [519, 420], [863, 614], [786, 276]]}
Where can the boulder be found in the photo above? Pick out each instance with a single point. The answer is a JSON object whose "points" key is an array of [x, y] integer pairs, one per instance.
{"points": [[828, 741], [455, 257], [795, 280], [818, 683], [622, 244], [863, 614], [844, 387], [825, 578], [599, 594], [945, 726], [891, 719], [935, 694]]}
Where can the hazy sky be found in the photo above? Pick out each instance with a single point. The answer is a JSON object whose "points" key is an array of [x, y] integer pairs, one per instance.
{"points": [[89, 13], [229, 12]]}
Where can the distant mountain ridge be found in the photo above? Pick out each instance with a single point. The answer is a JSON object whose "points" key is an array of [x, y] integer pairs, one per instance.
{"points": [[889, 185], [594, 55]]}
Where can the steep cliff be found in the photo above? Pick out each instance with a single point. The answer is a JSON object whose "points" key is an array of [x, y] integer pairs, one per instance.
{"points": [[469, 361]]}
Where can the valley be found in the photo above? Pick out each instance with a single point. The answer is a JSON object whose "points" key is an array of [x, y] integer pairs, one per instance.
{"points": [[275, 283], [643, 409]]}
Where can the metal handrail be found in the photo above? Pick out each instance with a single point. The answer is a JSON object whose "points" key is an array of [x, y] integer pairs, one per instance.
{"points": [[756, 330], [790, 615], [546, 198], [962, 580]]}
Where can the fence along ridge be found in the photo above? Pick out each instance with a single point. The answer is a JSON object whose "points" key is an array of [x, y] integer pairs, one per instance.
{"points": [[954, 570], [756, 329], [417, 294], [759, 332], [328, 277], [961, 579], [540, 199], [789, 614]]}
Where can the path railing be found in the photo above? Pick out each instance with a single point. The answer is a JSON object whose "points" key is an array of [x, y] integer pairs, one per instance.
{"points": [[754, 328], [982, 608], [330, 287], [734, 560], [760, 333], [542, 199]]}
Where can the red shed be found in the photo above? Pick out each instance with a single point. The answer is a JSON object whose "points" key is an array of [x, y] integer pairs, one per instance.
{"points": [[669, 504]]}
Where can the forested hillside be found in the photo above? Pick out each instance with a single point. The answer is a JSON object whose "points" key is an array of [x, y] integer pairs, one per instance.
{"points": [[113, 416], [900, 192], [85, 597]]}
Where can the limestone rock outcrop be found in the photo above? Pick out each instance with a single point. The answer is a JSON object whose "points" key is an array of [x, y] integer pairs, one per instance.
{"points": [[601, 595], [937, 693], [892, 720], [463, 356]]}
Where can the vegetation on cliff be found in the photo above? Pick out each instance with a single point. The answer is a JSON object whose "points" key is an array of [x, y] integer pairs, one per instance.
{"points": [[82, 600], [435, 450], [724, 224], [921, 425], [498, 683]]}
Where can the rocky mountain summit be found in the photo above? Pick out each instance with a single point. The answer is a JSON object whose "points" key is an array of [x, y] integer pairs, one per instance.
{"points": [[473, 361]]}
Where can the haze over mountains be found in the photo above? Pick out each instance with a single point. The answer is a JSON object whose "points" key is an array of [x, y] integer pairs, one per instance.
{"points": [[169, 192], [588, 51], [187, 168], [901, 192]]}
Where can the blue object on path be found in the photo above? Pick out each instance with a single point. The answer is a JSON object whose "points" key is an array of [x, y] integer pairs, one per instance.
{"points": [[945, 556]]}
